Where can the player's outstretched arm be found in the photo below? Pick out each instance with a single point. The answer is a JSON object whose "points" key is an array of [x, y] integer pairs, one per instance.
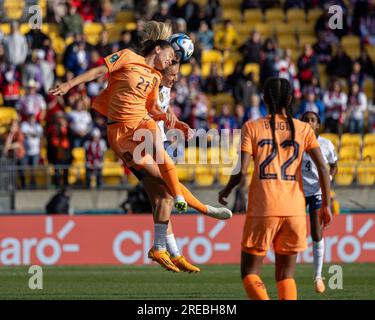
{"points": [[317, 157], [235, 179], [87, 76]]}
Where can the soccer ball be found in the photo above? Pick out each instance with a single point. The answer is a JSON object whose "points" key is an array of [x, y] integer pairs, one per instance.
{"points": [[182, 45]]}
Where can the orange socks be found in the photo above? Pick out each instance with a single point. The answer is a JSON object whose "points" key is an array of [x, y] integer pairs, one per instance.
{"points": [[255, 288], [169, 174], [287, 289], [192, 201]]}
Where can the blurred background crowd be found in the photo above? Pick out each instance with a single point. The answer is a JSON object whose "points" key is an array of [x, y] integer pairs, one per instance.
{"points": [[238, 44]]}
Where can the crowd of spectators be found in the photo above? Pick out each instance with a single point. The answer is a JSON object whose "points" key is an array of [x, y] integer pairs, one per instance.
{"points": [[28, 69]]}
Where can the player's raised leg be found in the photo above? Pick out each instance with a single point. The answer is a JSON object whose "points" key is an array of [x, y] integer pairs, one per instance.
{"points": [[318, 249]]}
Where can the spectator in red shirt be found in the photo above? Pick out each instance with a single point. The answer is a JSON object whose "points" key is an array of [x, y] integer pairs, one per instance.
{"points": [[307, 65]]}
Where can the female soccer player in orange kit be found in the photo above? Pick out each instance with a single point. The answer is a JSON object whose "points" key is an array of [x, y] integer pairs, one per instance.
{"points": [[276, 206]]}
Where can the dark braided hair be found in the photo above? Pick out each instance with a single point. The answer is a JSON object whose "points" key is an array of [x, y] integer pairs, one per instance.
{"points": [[277, 95]]}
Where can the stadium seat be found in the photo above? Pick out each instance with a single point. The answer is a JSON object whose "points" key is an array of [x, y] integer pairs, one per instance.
{"points": [[369, 140], [5, 28], [274, 14], [60, 70], [349, 154], [110, 156], [204, 176], [226, 4], [185, 69], [350, 139], [368, 153], [58, 45], [77, 173], [206, 69], [132, 180], [113, 174], [265, 29], [314, 14], [232, 14], [366, 174], [370, 51], [345, 174], [221, 98], [228, 68], [7, 115], [254, 68], [212, 56], [303, 40], [285, 29], [253, 16], [125, 16], [368, 88], [334, 138], [287, 42], [185, 173], [293, 15], [353, 52], [79, 155], [348, 42], [24, 28], [305, 28]]}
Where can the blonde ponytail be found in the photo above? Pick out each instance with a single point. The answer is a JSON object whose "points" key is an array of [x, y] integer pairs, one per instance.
{"points": [[154, 30]]}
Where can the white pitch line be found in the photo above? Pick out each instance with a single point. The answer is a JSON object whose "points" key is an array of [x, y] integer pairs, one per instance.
{"points": [[66, 229], [369, 246], [349, 223], [70, 247], [216, 229], [366, 227], [221, 246], [49, 225]]}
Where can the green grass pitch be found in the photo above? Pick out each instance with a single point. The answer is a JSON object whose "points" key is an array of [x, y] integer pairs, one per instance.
{"points": [[152, 282]]}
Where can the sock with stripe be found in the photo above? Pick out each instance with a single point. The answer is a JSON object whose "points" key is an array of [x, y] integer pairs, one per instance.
{"points": [[160, 234]]}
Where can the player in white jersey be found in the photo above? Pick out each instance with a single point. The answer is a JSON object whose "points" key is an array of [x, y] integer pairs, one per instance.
{"points": [[313, 194]]}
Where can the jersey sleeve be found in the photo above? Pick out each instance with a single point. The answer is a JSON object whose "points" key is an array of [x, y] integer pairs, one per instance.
{"points": [[117, 60], [311, 141], [332, 156], [246, 141]]}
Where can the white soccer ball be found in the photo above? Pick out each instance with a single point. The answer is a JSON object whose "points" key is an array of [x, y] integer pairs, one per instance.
{"points": [[182, 45]]}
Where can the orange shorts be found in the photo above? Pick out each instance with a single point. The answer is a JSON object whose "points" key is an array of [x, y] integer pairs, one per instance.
{"points": [[287, 234], [121, 140]]}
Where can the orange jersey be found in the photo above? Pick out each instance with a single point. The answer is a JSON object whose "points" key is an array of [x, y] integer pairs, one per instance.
{"points": [[133, 85], [276, 187]]}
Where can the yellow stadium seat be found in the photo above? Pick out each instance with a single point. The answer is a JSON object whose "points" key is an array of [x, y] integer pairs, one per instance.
{"points": [[252, 16], [125, 16], [368, 87], [334, 138], [212, 56], [92, 28], [353, 52], [366, 174], [185, 173], [93, 39], [79, 155], [232, 14], [24, 28], [228, 68], [110, 156], [368, 153], [265, 29], [222, 98], [287, 42], [285, 29], [349, 154], [274, 14], [185, 69], [113, 174], [350, 139], [132, 180], [369, 140], [243, 29], [371, 51], [5, 28], [76, 173], [58, 45], [60, 70], [204, 175], [226, 4], [305, 28], [314, 14], [254, 68], [233, 56], [348, 42], [7, 115], [345, 174], [293, 15], [303, 40]]}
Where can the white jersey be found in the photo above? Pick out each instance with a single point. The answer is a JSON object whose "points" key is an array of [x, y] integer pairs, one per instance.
{"points": [[163, 102], [310, 175]]}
